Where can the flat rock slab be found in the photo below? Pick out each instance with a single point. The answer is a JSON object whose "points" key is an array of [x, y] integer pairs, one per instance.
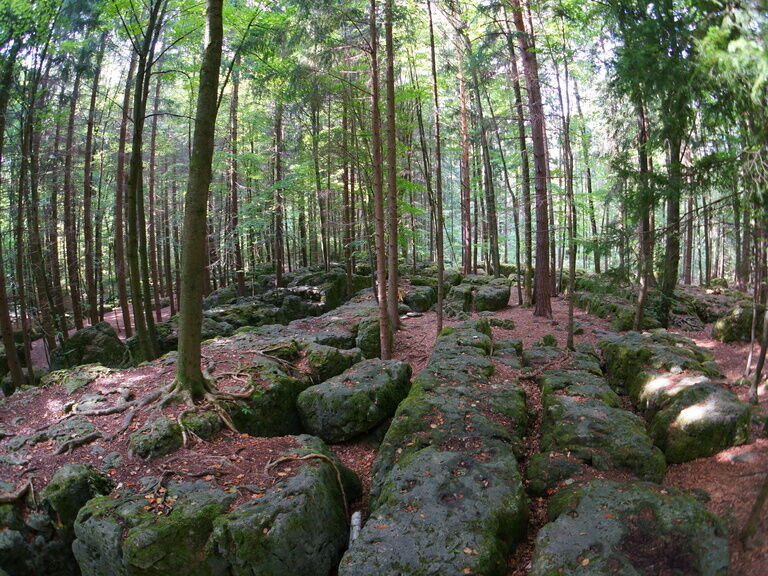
{"points": [[634, 359], [629, 529], [356, 401], [447, 496], [443, 512], [600, 435]]}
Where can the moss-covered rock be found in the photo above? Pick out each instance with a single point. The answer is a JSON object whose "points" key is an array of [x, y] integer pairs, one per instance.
{"points": [[326, 362], [97, 344], [420, 298], [356, 401], [368, 338], [698, 420], [634, 359], [271, 408], [629, 529], [158, 438], [579, 383], [443, 512], [68, 491], [204, 425], [75, 379], [601, 436], [718, 283], [492, 296], [299, 528], [458, 300], [125, 536], [547, 470], [736, 324]]}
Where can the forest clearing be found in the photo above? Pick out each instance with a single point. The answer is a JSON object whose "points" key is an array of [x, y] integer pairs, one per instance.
{"points": [[383, 288]]}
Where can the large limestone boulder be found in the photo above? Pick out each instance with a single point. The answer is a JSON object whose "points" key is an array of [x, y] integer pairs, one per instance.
{"points": [[443, 511], [629, 529], [736, 324], [98, 344], [420, 298], [271, 408], [600, 435], [125, 536], [157, 438], [697, 420], [325, 362], [356, 401], [299, 528], [492, 296]]}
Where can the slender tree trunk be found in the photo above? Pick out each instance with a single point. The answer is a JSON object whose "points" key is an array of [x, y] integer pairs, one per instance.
{"points": [[347, 211], [234, 184], [7, 62], [543, 306], [645, 259], [136, 239], [707, 241], [70, 233], [672, 244], [392, 216], [688, 253], [53, 234], [378, 192], [596, 250], [279, 208], [438, 166], [119, 224], [189, 377], [88, 223], [466, 217], [152, 180], [524, 169]]}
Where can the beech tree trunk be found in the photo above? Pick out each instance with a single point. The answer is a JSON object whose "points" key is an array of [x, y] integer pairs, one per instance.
{"points": [[189, 376], [392, 216], [466, 217], [378, 192]]}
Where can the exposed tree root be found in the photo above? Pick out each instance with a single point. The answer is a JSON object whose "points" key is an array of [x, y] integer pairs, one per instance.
{"points": [[754, 517], [70, 445], [316, 456]]}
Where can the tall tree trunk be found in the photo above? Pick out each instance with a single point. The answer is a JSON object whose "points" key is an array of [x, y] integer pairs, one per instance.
{"points": [[189, 377], [440, 223], [347, 211], [596, 250], [524, 169], [136, 239], [279, 208], [119, 223], [234, 186], [88, 223], [392, 216], [645, 259], [543, 306], [672, 244], [466, 217], [385, 336], [70, 232], [7, 62], [53, 233], [152, 180], [688, 253]]}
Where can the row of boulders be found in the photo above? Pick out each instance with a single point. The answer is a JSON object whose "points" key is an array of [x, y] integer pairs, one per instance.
{"points": [[447, 495], [464, 293], [609, 527], [690, 309], [306, 293], [668, 379]]}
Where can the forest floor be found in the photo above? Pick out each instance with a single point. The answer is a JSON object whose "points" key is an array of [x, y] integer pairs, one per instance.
{"points": [[732, 478]]}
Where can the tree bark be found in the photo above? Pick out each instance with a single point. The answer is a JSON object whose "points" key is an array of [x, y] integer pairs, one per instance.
{"points": [[234, 184], [466, 217], [88, 223], [70, 233], [189, 377], [543, 306], [378, 192], [392, 212], [279, 208], [119, 224]]}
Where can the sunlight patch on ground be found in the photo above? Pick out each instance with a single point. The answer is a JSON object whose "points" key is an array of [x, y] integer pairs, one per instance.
{"points": [[53, 409]]}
